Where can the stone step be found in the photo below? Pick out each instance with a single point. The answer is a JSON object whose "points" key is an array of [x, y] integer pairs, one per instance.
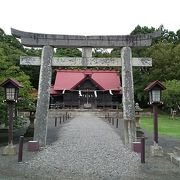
{"points": [[75, 112], [85, 110]]}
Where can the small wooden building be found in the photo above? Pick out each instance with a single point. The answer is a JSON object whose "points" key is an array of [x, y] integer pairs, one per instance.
{"points": [[86, 89]]}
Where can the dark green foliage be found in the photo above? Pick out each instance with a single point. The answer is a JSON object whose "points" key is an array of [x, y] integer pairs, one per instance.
{"points": [[68, 52], [165, 52], [32, 71], [142, 30], [166, 66], [10, 51], [116, 52], [171, 96]]}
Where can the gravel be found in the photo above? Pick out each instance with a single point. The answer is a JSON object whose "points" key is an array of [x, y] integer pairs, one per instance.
{"points": [[86, 147]]}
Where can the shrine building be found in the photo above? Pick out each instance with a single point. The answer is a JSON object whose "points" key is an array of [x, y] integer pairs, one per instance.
{"points": [[86, 89]]}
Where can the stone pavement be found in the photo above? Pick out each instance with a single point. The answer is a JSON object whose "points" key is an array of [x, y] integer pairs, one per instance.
{"points": [[85, 147]]}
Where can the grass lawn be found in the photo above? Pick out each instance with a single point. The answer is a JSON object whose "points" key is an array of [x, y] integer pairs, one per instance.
{"points": [[166, 125]]}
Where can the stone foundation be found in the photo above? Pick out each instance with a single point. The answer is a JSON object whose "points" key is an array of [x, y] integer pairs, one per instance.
{"points": [[156, 150]]}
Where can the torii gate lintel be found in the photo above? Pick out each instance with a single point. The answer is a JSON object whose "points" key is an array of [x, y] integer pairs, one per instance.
{"points": [[75, 41]]}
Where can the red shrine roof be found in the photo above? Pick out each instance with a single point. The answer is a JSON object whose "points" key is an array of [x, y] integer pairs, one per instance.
{"points": [[52, 91], [70, 79]]}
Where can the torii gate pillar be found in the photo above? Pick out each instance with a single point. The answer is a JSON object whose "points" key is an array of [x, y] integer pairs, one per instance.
{"points": [[40, 127], [128, 96]]}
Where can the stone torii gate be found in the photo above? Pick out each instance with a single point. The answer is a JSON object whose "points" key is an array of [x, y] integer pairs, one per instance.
{"points": [[50, 41]]}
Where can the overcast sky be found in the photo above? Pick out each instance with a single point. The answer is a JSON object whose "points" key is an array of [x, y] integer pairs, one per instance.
{"points": [[88, 17]]}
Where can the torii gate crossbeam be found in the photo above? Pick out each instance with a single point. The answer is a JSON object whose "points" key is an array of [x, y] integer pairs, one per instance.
{"points": [[73, 41]]}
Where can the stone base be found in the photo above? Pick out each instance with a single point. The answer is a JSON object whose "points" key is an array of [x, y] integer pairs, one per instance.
{"points": [[10, 150], [156, 150]]}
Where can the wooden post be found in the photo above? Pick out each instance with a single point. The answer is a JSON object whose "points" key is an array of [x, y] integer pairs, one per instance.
{"points": [[117, 123], [66, 116], [142, 150], [155, 113], [60, 120], [112, 121], [55, 121], [10, 121], [20, 153]]}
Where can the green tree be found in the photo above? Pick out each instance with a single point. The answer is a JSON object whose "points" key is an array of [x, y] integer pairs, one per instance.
{"points": [[10, 51], [165, 55], [68, 52], [171, 96], [32, 71], [142, 30]]}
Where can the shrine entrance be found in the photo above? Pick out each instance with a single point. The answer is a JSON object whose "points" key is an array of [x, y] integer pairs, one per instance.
{"points": [[87, 100], [50, 41]]}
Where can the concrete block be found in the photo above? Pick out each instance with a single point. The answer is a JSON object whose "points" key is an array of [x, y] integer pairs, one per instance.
{"points": [[33, 146]]}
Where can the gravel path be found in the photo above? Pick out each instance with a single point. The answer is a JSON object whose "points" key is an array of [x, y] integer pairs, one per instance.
{"points": [[86, 148]]}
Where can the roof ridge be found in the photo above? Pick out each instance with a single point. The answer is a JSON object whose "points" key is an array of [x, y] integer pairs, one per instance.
{"points": [[86, 70]]}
